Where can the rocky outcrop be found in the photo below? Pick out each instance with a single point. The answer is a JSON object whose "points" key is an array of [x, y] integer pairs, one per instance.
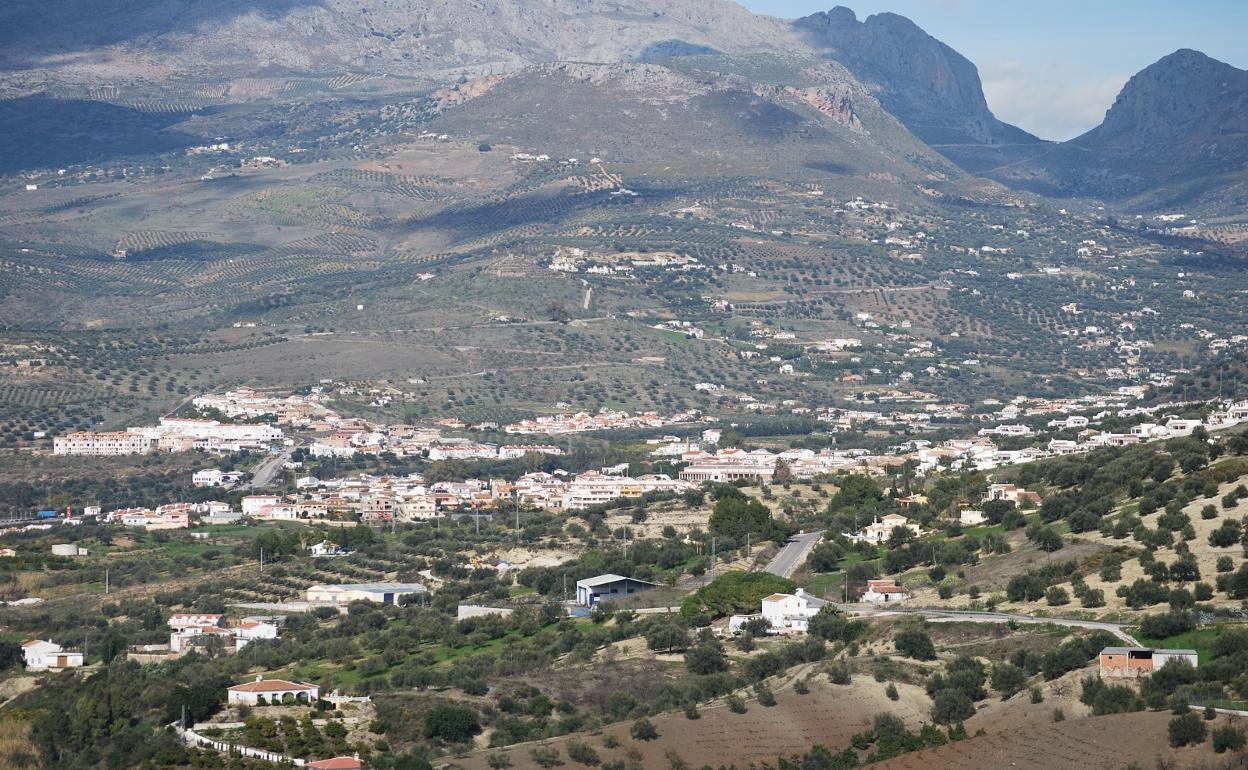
{"points": [[931, 88]]}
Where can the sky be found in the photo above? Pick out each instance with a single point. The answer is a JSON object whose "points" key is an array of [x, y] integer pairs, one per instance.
{"points": [[1053, 67]]}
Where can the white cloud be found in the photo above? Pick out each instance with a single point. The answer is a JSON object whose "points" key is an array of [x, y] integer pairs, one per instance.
{"points": [[1049, 103]]}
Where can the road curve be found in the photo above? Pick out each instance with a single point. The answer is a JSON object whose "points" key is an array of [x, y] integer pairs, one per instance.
{"points": [[793, 554]]}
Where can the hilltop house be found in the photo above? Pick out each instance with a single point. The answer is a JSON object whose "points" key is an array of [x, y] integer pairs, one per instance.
{"points": [[790, 613], [43, 656], [882, 528], [1013, 494], [269, 691]]}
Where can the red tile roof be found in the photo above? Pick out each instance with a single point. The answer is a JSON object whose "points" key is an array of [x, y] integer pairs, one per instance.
{"points": [[337, 763], [271, 685]]}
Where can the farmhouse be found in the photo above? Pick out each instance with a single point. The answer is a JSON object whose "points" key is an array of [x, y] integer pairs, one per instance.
{"points": [[42, 656], [884, 591], [592, 590], [789, 613], [1013, 494], [1133, 662], [380, 593], [267, 691], [881, 529]]}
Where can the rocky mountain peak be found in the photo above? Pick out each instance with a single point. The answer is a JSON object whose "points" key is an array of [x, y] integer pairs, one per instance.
{"points": [[932, 88]]}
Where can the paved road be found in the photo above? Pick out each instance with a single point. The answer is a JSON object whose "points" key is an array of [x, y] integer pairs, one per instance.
{"points": [[268, 470], [793, 554], [953, 616]]}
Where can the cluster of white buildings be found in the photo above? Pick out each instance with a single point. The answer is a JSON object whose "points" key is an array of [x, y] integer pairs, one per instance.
{"points": [[606, 419], [191, 630], [171, 435], [247, 403], [759, 466]]}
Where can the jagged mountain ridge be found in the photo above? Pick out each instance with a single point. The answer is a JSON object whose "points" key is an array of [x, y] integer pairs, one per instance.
{"points": [[930, 87], [440, 40], [435, 38], [1181, 122]]}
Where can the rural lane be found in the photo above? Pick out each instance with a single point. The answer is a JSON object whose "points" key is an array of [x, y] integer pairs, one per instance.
{"points": [[793, 554], [955, 616]]}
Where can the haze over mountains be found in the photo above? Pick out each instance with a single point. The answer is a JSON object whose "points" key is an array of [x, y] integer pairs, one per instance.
{"points": [[1185, 107]]}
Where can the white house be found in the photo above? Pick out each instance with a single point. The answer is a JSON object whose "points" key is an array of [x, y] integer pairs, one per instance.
{"points": [[250, 630], [326, 548], [43, 656], [181, 620], [209, 477], [884, 591], [253, 503], [790, 613], [971, 518], [882, 528], [272, 691]]}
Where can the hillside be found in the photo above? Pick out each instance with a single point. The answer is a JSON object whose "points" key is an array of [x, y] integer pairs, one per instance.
{"points": [[117, 39]]}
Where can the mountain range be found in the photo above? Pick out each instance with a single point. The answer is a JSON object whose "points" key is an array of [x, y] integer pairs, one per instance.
{"points": [[1178, 131]]}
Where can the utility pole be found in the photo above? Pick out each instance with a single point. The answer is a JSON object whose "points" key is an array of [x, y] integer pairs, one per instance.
{"points": [[262, 558]]}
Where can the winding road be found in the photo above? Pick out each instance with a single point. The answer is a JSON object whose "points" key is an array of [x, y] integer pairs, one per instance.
{"points": [[793, 554]]}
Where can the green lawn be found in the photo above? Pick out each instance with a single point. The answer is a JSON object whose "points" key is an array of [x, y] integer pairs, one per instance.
{"points": [[1200, 640], [826, 584]]}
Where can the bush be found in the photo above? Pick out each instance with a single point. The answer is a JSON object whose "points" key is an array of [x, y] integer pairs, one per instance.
{"points": [[950, 706], [545, 756], [1167, 624], [915, 643], [1008, 679], [1228, 738], [736, 704], [1187, 730], [891, 691], [1057, 596], [839, 673], [1037, 695], [581, 752], [765, 696], [1093, 597], [452, 724], [643, 730]]}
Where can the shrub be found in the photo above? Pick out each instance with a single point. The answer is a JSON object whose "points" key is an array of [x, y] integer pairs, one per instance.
{"points": [[1227, 738], [765, 696], [839, 673], [643, 730], [891, 691], [1057, 596], [736, 704], [1008, 679], [915, 643], [951, 705], [545, 756], [1187, 729], [1093, 597], [1037, 695], [581, 752], [453, 724]]}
